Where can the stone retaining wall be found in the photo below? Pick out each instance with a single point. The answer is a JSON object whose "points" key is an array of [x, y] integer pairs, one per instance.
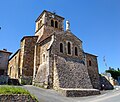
{"points": [[106, 83], [70, 92], [16, 98]]}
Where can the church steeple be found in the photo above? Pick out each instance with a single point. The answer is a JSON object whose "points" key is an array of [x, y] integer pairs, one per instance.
{"points": [[48, 22]]}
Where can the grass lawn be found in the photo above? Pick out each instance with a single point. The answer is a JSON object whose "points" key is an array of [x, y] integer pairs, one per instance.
{"points": [[8, 90]]}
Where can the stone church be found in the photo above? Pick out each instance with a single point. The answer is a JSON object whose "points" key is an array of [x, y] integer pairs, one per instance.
{"points": [[54, 58]]}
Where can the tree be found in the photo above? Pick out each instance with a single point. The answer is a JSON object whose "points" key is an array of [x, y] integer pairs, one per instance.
{"points": [[114, 73], [118, 69]]}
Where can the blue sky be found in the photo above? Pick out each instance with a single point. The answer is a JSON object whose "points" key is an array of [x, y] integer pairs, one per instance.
{"points": [[95, 22]]}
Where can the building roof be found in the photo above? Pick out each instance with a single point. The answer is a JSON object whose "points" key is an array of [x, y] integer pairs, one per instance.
{"points": [[90, 54], [48, 12], [45, 36], [27, 37], [4, 51], [74, 35], [14, 54]]}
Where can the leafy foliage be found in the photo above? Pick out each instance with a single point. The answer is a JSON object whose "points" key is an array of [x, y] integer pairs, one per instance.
{"points": [[114, 73]]}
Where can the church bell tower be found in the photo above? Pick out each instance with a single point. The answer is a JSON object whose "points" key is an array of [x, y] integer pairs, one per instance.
{"points": [[48, 23]]}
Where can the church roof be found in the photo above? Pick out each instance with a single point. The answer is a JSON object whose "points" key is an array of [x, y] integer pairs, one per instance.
{"points": [[76, 37], [48, 12], [28, 37], [45, 36], [91, 54]]}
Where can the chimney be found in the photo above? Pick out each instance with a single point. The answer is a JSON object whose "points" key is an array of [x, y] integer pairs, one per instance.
{"points": [[4, 49]]}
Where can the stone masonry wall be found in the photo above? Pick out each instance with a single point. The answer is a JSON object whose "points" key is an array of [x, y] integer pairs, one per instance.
{"points": [[93, 70], [70, 73], [78, 92], [16, 98], [22, 43], [13, 67], [28, 57], [64, 38], [106, 83], [69, 70], [45, 24], [4, 57], [42, 72], [22, 62]]}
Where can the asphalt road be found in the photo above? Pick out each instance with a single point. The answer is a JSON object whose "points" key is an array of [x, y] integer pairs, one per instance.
{"points": [[49, 95]]}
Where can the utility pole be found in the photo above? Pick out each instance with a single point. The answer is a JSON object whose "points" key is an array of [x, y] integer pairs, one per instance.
{"points": [[104, 60]]}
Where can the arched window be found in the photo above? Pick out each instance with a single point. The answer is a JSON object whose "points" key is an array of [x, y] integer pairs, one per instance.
{"points": [[69, 48], [52, 23], [76, 51], [61, 47], [90, 63], [43, 57], [56, 24]]}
